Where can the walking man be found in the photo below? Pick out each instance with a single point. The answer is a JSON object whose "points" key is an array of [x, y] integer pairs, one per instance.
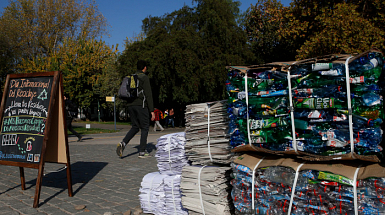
{"points": [[139, 110], [71, 110]]}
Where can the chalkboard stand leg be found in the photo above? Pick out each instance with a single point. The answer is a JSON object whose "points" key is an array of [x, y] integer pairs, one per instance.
{"points": [[22, 179], [69, 180], [38, 185]]}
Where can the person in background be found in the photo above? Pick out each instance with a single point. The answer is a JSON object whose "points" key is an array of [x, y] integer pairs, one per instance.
{"points": [[158, 116], [71, 110], [165, 118], [171, 118], [139, 111]]}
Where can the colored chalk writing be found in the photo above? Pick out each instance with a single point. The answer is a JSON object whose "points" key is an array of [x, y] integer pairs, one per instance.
{"points": [[24, 118]]}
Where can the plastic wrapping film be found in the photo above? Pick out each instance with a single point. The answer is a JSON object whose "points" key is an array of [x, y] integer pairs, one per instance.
{"points": [[287, 186], [328, 108]]}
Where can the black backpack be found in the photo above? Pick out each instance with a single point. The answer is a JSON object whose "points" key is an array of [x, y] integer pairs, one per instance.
{"points": [[129, 88], [71, 108]]}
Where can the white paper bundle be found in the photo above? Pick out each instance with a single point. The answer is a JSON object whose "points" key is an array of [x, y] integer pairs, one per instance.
{"points": [[170, 153], [206, 190], [152, 193], [206, 130], [160, 194], [173, 197]]}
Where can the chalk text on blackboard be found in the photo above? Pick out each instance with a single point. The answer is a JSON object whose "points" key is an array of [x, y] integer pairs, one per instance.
{"points": [[9, 139]]}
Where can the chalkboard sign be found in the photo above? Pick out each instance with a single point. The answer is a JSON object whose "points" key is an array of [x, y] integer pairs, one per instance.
{"points": [[24, 119], [33, 129]]}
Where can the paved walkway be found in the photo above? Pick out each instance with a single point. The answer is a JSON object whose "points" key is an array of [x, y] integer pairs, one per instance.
{"points": [[102, 182]]}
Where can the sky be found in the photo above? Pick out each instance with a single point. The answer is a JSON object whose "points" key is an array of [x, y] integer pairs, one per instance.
{"points": [[125, 16]]}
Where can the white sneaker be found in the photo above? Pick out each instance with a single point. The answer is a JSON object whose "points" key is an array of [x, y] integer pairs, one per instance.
{"points": [[119, 149]]}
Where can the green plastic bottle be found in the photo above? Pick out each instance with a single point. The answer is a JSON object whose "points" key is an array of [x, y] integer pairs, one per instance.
{"points": [[301, 124], [374, 73], [269, 102], [256, 124], [313, 80], [252, 84], [273, 112], [319, 103], [270, 135]]}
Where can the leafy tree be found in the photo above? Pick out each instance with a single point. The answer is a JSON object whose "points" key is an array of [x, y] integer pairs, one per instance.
{"points": [[263, 24], [82, 63], [33, 28], [343, 26], [5, 61], [310, 28], [344, 30], [108, 85], [188, 51]]}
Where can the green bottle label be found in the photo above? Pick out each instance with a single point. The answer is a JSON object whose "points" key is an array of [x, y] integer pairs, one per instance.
{"points": [[263, 123], [316, 103], [267, 123], [333, 177]]}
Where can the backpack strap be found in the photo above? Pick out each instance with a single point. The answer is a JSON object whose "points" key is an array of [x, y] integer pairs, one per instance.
{"points": [[140, 91]]}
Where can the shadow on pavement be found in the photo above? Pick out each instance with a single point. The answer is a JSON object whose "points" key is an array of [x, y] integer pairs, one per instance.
{"points": [[12, 188], [150, 147], [86, 138], [82, 172]]}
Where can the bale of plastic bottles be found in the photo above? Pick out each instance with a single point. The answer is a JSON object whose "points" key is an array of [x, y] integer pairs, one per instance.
{"points": [[259, 107], [323, 108], [267, 185]]}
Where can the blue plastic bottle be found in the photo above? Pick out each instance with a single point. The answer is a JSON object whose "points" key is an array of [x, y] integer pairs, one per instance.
{"points": [[363, 64], [371, 99]]}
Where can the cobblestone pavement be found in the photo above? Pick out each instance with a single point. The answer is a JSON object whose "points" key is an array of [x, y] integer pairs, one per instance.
{"points": [[102, 183]]}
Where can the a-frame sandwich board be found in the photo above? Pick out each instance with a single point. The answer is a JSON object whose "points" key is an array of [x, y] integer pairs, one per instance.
{"points": [[33, 129]]}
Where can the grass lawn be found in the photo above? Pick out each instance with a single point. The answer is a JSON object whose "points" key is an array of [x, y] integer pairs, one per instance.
{"points": [[82, 130], [108, 123]]}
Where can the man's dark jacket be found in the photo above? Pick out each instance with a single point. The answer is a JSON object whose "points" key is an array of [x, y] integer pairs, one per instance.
{"points": [[144, 99]]}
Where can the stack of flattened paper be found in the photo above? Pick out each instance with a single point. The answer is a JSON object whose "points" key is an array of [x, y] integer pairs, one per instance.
{"points": [[205, 190], [152, 193], [160, 191], [160, 194], [173, 195], [170, 153], [206, 130]]}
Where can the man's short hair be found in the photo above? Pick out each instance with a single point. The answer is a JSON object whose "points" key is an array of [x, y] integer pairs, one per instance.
{"points": [[141, 64]]}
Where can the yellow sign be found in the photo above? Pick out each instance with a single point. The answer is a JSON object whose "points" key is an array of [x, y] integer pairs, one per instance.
{"points": [[110, 99]]}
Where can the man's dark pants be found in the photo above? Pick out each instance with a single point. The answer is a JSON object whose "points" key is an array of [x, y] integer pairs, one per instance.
{"points": [[140, 120], [70, 128]]}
